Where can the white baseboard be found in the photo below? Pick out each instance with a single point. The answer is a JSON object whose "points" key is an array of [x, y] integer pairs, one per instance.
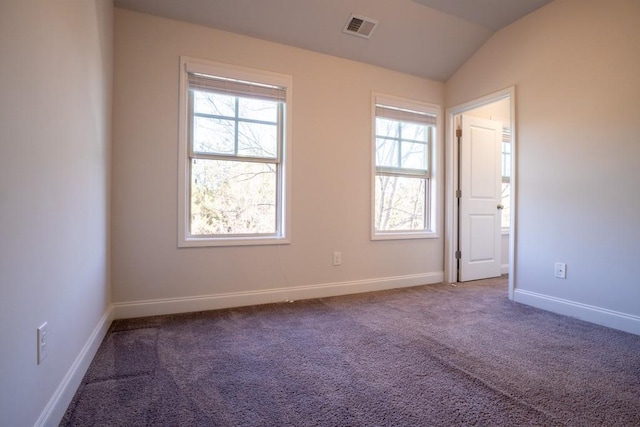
{"points": [[126, 310], [59, 402], [504, 269], [601, 316]]}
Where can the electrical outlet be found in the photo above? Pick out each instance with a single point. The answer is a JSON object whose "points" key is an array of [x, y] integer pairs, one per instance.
{"points": [[43, 342], [561, 270], [337, 258]]}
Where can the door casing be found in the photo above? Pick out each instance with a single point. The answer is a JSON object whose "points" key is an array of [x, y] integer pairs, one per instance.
{"points": [[451, 209]]}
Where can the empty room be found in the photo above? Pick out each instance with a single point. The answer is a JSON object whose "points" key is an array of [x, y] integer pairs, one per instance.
{"points": [[340, 212]]}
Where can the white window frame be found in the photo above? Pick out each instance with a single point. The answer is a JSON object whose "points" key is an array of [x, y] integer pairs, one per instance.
{"points": [[506, 179], [430, 232], [283, 234]]}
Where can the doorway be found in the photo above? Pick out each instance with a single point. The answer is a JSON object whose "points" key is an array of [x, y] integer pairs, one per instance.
{"points": [[484, 211]]}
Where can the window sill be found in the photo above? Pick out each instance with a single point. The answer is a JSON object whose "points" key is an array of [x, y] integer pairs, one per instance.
{"points": [[200, 242], [404, 235]]}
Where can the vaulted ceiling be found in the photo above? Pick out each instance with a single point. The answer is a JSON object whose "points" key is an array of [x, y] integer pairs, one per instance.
{"points": [[427, 38]]}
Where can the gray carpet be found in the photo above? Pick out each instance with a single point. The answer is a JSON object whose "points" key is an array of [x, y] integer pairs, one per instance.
{"points": [[433, 355]]}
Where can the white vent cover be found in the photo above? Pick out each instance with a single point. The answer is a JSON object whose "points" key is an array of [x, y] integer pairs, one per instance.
{"points": [[360, 26]]}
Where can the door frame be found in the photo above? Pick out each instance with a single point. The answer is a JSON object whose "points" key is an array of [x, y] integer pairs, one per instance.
{"points": [[451, 179]]}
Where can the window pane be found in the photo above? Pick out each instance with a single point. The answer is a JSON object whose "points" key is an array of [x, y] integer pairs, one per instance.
{"points": [[387, 153], [213, 103], [386, 127], [214, 136], [505, 220], [400, 203], [257, 140], [229, 197], [414, 156], [257, 109], [414, 132], [506, 159]]}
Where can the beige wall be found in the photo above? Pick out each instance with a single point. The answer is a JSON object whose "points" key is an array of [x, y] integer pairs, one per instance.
{"points": [[575, 65], [331, 170], [55, 78]]}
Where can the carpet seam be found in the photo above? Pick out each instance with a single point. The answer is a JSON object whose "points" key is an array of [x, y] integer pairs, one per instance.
{"points": [[485, 383]]}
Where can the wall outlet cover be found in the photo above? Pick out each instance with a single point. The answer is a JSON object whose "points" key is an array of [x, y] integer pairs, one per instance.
{"points": [[43, 339], [561, 270]]}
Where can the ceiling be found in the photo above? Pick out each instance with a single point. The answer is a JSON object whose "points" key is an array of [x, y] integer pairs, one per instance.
{"points": [[427, 38]]}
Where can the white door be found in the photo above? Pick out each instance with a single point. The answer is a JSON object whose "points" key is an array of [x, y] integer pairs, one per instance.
{"points": [[480, 199]]}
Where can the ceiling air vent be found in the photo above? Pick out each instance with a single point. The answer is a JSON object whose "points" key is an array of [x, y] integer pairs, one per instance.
{"points": [[360, 26]]}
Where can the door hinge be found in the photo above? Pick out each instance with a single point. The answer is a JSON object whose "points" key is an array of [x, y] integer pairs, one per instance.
{"points": [[458, 133], [458, 255], [458, 193]]}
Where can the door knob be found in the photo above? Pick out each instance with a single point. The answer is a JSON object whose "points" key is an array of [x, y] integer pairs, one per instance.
{"points": [[500, 206]]}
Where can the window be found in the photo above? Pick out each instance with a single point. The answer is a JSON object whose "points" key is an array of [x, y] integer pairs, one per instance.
{"points": [[506, 180], [404, 143], [233, 155]]}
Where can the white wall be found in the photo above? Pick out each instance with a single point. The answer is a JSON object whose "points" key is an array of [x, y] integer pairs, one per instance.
{"points": [[55, 79], [331, 175], [575, 65]]}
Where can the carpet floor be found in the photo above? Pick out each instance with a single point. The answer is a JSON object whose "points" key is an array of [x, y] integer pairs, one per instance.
{"points": [[434, 355]]}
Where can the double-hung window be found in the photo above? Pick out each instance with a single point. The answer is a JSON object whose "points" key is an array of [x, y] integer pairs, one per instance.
{"points": [[404, 143], [233, 156]]}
